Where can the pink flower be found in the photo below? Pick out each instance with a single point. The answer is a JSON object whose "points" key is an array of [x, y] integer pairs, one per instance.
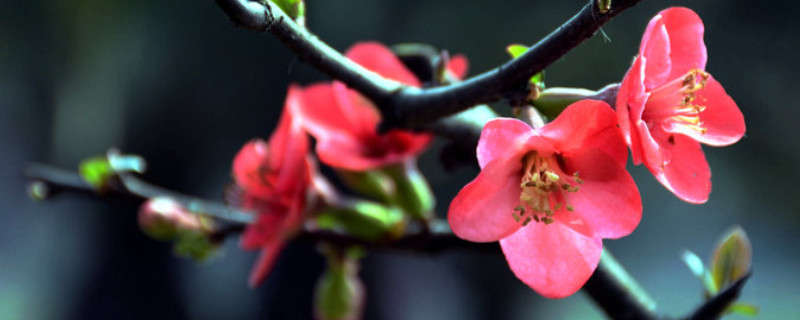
{"points": [[667, 105], [550, 195], [344, 122], [274, 179]]}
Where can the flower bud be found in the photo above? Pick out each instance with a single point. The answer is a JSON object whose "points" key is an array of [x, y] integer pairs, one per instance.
{"points": [[413, 194], [163, 218], [339, 292]]}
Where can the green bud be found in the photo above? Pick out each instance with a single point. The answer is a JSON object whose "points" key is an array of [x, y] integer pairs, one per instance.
{"points": [[38, 190], [373, 183], [551, 102], [364, 219], [97, 172], [194, 244], [339, 293], [413, 193], [732, 257]]}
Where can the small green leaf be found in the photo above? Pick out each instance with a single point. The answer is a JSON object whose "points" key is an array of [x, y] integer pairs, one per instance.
{"points": [[699, 270], [744, 309], [294, 8], [732, 257], [516, 50], [604, 5], [97, 172], [694, 263]]}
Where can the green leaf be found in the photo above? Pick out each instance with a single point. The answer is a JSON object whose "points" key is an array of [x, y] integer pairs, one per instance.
{"points": [[516, 50], [195, 245], [744, 309], [732, 257], [294, 8], [97, 172], [699, 270], [694, 263], [604, 5]]}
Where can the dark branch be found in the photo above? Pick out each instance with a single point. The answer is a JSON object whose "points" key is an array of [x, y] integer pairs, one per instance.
{"points": [[617, 293], [128, 186], [715, 307], [408, 107]]}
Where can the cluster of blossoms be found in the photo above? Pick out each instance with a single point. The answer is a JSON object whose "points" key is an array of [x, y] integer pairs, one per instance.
{"points": [[548, 194]]}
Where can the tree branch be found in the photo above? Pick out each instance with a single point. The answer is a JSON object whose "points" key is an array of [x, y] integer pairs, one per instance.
{"points": [[408, 107], [611, 287], [128, 186]]}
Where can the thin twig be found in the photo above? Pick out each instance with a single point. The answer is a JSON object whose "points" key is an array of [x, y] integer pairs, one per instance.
{"points": [[132, 187], [408, 107]]}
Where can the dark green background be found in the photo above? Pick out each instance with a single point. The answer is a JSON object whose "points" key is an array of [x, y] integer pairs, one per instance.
{"points": [[174, 82]]}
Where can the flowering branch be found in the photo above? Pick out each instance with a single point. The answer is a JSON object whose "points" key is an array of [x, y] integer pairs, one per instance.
{"points": [[408, 107], [611, 287]]}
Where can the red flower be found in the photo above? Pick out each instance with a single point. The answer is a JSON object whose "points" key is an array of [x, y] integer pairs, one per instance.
{"points": [[550, 195], [344, 122], [274, 179], [667, 104]]}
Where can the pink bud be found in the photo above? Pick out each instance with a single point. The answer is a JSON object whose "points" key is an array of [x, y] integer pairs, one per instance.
{"points": [[162, 218]]}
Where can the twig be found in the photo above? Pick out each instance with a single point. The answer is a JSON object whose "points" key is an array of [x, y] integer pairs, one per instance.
{"points": [[715, 307], [129, 186], [408, 107]]}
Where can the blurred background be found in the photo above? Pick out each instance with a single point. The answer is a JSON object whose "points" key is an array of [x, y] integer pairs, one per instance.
{"points": [[175, 82]]}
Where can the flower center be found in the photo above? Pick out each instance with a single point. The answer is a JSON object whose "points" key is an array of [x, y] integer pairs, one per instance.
{"points": [[674, 103], [544, 189]]}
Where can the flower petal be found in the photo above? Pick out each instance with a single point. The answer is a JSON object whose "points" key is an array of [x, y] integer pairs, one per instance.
{"points": [[722, 119], [321, 115], [553, 259], [687, 49], [607, 201], [586, 124], [379, 59], [655, 49], [362, 115], [482, 210], [685, 171], [267, 227], [499, 136], [458, 66], [630, 105], [265, 262]]}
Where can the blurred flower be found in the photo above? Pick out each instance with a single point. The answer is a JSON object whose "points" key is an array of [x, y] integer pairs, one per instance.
{"points": [[667, 104], [344, 122], [274, 180], [550, 195]]}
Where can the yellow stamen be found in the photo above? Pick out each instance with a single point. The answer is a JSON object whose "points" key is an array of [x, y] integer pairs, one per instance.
{"points": [[544, 189]]}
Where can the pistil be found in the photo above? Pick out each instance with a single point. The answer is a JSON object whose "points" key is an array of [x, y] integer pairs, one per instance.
{"points": [[674, 104]]}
